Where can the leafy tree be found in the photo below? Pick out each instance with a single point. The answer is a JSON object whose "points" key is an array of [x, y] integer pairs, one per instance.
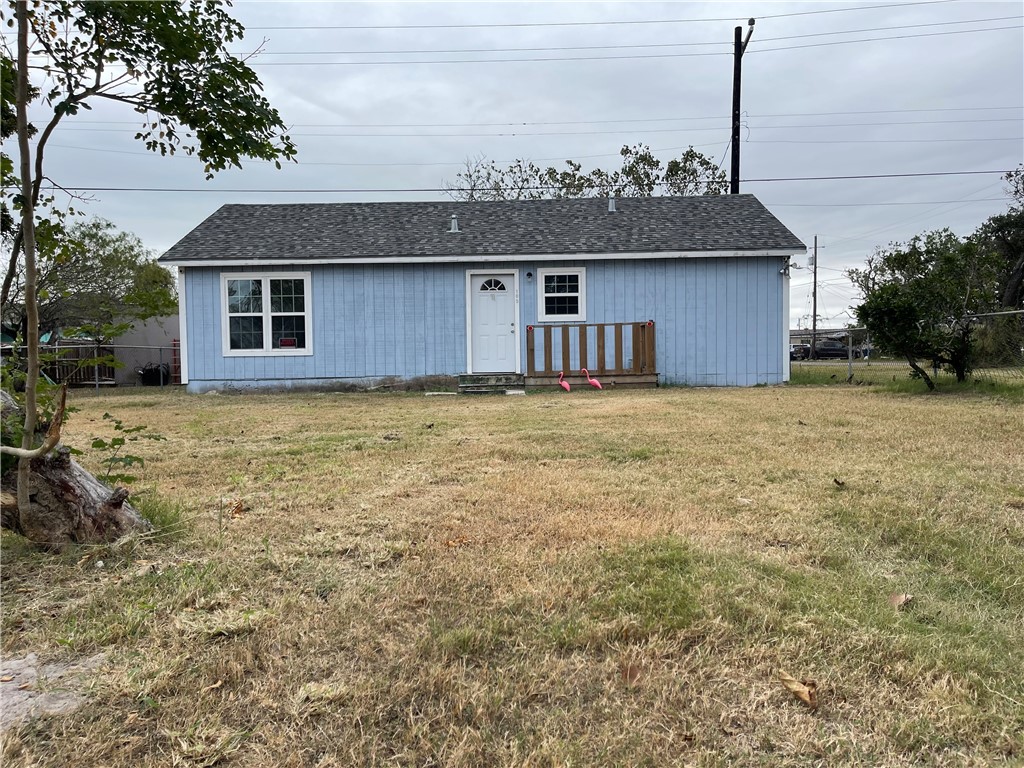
{"points": [[170, 62], [641, 175], [1004, 235], [95, 276], [919, 296]]}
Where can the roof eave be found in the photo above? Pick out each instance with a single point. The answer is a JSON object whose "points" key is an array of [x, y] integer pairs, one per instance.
{"points": [[170, 261]]}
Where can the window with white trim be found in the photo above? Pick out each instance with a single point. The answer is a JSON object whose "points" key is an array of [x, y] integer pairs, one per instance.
{"points": [[562, 294], [266, 314]]}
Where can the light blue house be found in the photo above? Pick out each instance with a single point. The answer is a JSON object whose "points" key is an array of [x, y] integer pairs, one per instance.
{"points": [[670, 290]]}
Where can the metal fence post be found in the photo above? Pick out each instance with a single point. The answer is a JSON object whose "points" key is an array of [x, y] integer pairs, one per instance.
{"points": [[96, 366], [849, 356], [161, 367]]}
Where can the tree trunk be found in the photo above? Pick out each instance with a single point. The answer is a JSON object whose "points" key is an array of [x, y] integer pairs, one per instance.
{"points": [[921, 372], [67, 505]]}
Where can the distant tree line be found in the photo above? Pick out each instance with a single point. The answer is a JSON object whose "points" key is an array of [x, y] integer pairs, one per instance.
{"points": [[641, 175]]}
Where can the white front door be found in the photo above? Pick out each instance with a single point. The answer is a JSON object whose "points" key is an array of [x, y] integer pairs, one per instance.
{"points": [[493, 335]]}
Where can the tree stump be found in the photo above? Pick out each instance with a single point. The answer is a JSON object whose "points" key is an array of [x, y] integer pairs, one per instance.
{"points": [[68, 504]]}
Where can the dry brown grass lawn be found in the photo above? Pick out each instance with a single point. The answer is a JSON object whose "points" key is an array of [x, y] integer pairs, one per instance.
{"points": [[608, 578]]}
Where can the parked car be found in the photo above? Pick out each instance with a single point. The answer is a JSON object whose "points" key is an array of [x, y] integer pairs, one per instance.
{"points": [[799, 351], [832, 349]]}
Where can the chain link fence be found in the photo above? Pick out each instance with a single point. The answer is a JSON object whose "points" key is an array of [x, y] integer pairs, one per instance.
{"points": [[850, 354]]}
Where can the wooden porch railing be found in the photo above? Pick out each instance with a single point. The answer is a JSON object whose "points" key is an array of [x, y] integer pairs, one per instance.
{"points": [[620, 350]]}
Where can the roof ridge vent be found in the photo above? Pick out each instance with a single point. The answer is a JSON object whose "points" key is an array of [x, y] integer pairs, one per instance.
{"points": [[455, 223], [611, 203]]}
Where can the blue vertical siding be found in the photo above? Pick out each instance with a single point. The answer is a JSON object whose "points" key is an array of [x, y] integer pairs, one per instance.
{"points": [[719, 321], [369, 321]]}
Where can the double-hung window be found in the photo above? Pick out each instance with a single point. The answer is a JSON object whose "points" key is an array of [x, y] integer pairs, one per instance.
{"points": [[266, 314], [562, 294]]}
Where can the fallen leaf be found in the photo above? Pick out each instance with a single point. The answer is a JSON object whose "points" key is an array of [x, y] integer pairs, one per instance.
{"points": [[24, 686], [237, 508], [839, 483], [458, 541], [213, 687], [805, 690], [801, 423], [6, 678], [742, 500], [899, 600]]}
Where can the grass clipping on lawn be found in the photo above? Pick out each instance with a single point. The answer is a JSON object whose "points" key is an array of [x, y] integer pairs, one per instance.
{"points": [[606, 578]]}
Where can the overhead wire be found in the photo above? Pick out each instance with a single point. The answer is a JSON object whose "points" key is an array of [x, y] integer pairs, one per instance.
{"points": [[365, 190], [617, 22], [691, 44], [620, 120], [867, 236], [511, 134], [256, 63]]}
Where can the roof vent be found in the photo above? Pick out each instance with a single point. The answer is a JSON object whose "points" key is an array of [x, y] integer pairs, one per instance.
{"points": [[455, 223], [611, 204]]}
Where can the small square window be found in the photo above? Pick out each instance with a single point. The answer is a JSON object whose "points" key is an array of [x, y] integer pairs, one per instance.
{"points": [[562, 294]]}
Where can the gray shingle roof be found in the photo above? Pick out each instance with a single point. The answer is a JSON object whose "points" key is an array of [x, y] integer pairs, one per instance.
{"points": [[304, 231]]}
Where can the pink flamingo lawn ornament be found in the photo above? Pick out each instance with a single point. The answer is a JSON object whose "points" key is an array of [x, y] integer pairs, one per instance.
{"points": [[562, 382], [591, 381]]}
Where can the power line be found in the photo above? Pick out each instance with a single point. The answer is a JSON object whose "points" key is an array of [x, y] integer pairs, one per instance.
{"points": [[257, 64], [619, 22], [882, 141], [534, 160], [887, 203], [879, 176], [867, 236], [538, 49], [384, 165], [367, 190], [508, 134], [891, 37], [602, 122]]}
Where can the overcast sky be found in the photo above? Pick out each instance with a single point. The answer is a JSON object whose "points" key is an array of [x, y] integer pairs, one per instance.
{"points": [[370, 112]]}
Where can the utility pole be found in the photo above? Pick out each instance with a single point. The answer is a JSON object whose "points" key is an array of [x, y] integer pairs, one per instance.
{"points": [[739, 46], [814, 303]]}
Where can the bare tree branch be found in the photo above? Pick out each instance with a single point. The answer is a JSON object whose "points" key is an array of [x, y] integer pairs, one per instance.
{"points": [[52, 435]]}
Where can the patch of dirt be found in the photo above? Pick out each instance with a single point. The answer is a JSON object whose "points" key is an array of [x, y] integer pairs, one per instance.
{"points": [[29, 689]]}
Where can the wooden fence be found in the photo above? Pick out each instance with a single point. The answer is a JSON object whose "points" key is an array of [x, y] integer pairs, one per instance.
{"points": [[78, 365], [624, 353]]}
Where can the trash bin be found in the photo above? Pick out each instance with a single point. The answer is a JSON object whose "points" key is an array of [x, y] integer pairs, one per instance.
{"points": [[154, 375]]}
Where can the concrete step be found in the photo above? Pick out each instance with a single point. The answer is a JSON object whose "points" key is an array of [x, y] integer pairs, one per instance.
{"points": [[490, 383], [491, 379]]}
